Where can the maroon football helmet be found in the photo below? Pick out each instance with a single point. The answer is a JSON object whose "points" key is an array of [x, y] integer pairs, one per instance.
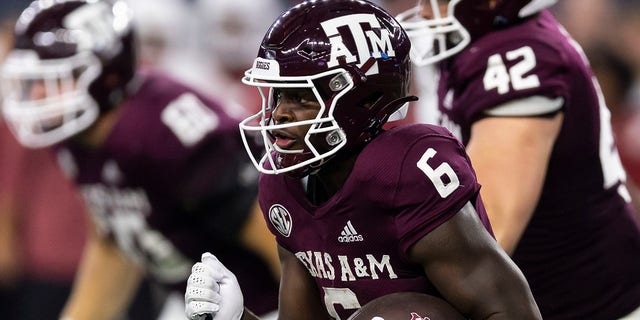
{"points": [[71, 61], [352, 55], [443, 34]]}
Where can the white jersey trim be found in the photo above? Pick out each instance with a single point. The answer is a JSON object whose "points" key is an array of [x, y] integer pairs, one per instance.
{"points": [[530, 106], [633, 315]]}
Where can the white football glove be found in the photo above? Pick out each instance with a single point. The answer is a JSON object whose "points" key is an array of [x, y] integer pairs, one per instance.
{"points": [[212, 292]]}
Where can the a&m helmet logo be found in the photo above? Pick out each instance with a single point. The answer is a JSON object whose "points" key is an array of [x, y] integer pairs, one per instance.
{"points": [[374, 41], [280, 219]]}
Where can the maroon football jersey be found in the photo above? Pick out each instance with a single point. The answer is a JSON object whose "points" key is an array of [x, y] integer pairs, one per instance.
{"points": [[404, 184], [170, 182], [581, 250]]}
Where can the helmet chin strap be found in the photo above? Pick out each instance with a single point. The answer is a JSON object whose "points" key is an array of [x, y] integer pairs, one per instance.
{"points": [[393, 105], [361, 71], [367, 65], [396, 104], [120, 93]]}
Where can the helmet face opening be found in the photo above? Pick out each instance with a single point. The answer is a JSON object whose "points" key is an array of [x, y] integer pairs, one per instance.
{"points": [[46, 101], [353, 56], [436, 38], [72, 60], [324, 136]]}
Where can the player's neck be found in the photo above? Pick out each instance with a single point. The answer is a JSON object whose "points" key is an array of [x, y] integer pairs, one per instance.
{"points": [[95, 135], [330, 179]]}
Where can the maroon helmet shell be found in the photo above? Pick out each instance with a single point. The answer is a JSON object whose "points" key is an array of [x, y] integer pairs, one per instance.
{"points": [[479, 18], [355, 58], [117, 55], [82, 51]]}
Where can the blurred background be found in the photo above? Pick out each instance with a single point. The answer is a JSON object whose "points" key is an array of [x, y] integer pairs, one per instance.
{"points": [[209, 44]]}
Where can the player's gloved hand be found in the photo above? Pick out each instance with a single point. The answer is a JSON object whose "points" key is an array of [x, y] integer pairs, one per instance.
{"points": [[212, 292]]}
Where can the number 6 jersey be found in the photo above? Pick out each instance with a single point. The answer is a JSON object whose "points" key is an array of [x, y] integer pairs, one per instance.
{"points": [[404, 184]]}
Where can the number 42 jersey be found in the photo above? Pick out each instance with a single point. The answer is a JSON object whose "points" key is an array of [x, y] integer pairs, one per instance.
{"points": [[581, 249], [404, 184]]}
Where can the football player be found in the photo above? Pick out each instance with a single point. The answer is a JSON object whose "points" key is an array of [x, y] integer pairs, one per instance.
{"points": [[358, 212], [519, 93], [161, 166]]}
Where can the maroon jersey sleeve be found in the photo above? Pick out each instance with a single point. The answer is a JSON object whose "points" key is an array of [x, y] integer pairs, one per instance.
{"points": [[434, 181]]}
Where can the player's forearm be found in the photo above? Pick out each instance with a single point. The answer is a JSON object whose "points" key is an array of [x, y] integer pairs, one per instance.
{"points": [[511, 195], [105, 284], [509, 205], [9, 247], [516, 297], [509, 221]]}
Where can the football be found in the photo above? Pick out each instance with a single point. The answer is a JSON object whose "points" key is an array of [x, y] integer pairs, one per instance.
{"points": [[407, 306]]}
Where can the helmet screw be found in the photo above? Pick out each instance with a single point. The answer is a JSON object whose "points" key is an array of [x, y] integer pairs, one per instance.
{"points": [[334, 137]]}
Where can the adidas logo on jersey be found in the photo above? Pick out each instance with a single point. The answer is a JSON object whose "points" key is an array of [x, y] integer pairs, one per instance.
{"points": [[349, 234]]}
